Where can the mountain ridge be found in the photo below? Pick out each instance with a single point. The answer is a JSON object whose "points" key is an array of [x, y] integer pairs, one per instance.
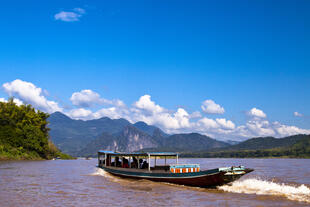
{"points": [[74, 136], [85, 138]]}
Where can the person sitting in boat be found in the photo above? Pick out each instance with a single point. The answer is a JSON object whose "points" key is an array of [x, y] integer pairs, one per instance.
{"points": [[117, 162], [145, 165], [140, 163], [134, 163], [125, 163]]}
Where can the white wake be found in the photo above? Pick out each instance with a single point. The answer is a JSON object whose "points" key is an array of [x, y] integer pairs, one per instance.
{"points": [[262, 187], [100, 172]]}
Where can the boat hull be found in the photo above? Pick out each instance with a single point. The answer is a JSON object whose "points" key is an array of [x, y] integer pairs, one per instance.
{"points": [[207, 178]]}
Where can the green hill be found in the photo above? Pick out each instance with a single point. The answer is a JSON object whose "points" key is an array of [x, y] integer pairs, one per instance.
{"points": [[297, 146], [24, 133], [266, 143]]}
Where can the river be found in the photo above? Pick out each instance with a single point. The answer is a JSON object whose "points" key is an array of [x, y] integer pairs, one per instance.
{"points": [[275, 182]]}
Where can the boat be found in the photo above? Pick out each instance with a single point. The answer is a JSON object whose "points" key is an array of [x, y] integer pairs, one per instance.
{"points": [[137, 165]]}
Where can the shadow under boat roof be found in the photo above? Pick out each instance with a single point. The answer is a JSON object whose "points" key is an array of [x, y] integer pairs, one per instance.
{"points": [[138, 153]]}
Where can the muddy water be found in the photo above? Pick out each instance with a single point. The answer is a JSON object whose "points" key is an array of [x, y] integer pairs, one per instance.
{"points": [[275, 182]]}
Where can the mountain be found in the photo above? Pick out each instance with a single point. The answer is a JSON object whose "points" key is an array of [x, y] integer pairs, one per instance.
{"points": [[149, 129], [232, 142], [130, 139], [83, 138], [266, 143], [71, 135], [104, 141], [297, 146], [189, 143]]}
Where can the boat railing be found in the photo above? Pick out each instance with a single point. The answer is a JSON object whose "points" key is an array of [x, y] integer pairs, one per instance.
{"points": [[184, 168]]}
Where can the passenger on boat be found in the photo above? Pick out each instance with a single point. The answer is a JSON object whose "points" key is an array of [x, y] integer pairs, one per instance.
{"points": [[118, 163], [140, 163], [125, 163], [134, 163], [145, 165]]}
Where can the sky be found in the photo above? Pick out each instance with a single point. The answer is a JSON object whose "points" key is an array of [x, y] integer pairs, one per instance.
{"points": [[227, 69]]}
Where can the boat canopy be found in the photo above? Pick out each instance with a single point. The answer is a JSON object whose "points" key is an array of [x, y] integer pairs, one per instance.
{"points": [[138, 153]]}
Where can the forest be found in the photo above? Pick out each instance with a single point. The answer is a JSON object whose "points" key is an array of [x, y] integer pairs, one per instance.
{"points": [[24, 134]]}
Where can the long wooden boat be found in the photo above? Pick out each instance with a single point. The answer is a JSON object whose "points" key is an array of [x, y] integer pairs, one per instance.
{"points": [[182, 174]]}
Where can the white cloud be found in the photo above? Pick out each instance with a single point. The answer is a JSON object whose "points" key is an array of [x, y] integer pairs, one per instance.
{"points": [[145, 109], [88, 98], [18, 102], [30, 94], [210, 107], [206, 123], [145, 103], [85, 98], [70, 16], [195, 114], [298, 114], [284, 130], [15, 100], [256, 113], [180, 121], [226, 124], [110, 112], [260, 128], [80, 113]]}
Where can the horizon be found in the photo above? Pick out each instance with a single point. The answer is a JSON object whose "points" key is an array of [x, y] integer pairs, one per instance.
{"points": [[227, 70]]}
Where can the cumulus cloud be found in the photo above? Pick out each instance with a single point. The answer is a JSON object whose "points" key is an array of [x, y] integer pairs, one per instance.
{"points": [[147, 110], [70, 16], [195, 114], [180, 121], [30, 94], [298, 114], [226, 124], [145, 103], [210, 107], [256, 113], [15, 100], [80, 113], [85, 98]]}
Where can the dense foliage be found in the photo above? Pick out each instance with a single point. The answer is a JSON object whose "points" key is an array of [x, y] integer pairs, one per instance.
{"points": [[24, 133]]}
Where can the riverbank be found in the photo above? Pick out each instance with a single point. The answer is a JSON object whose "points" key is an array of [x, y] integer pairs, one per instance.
{"points": [[12, 153]]}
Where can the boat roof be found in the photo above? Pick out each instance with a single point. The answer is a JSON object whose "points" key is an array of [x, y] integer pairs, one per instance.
{"points": [[138, 153]]}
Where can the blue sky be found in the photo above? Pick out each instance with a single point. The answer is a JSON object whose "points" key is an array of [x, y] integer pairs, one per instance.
{"points": [[239, 54]]}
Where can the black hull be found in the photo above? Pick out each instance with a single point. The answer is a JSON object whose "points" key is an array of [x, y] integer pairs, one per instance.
{"points": [[208, 178]]}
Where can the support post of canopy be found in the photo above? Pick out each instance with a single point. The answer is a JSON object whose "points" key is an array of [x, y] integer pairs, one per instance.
{"points": [[129, 162], [138, 162], [165, 160], [105, 159], [149, 162], [155, 161], [177, 158]]}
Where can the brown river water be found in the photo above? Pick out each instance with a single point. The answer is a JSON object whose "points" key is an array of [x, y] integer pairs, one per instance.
{"points": [[275, 182]]}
